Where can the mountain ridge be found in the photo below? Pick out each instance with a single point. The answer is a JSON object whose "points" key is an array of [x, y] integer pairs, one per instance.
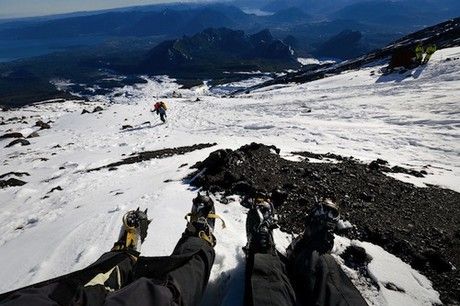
{"points": [[443, 35], [220, 49]]}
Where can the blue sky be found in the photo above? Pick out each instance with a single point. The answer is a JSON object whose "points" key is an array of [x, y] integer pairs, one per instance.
{"points": [[24, 8]]}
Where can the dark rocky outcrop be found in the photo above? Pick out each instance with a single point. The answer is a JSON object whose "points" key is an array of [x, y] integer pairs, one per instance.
{"points": [[21, 141], [33, 135], [12, 135], [164, 153], [355, 257], [419, 225], [20, 174], [42, 125], [97, 109], [57, 188], [12, 182]]}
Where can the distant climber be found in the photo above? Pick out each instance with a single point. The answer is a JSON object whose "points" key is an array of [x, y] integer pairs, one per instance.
{"points": [[430, 49], [403, 58], [419, 54], [410, 57], [160, 108]]}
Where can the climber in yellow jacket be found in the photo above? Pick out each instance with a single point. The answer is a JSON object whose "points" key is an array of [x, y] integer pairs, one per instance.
{"points": [[419, 54], [430, 49]]}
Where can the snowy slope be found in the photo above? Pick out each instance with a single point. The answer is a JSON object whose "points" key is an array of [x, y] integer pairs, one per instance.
{"points": [[411, 121]]}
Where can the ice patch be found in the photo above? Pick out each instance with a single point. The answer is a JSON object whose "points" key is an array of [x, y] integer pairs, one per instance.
{"points": [[343, 225]]}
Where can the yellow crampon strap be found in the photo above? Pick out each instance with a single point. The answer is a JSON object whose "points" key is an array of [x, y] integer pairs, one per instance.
{"points": [[216, 216], [210, 216], [203, 236], [131, 238]]}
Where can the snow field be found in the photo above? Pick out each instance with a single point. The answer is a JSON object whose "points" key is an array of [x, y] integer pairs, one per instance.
{"points": [[411, 121]]}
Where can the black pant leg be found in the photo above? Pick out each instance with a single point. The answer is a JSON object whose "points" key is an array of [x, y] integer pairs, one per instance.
{"points": [[192, 278], [267, 282], [186, 272], [319, 280], [177, 279], [141, 292], [88, 286], [31, 296]]}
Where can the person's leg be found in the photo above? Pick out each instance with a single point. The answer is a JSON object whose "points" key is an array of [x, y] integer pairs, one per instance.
{"points": [[266, 279], [186, 272], [320, 281], [427, 57], [110, 272], [177, 279], [180, 278], [162, 114], [316, 276], [191, 278]]}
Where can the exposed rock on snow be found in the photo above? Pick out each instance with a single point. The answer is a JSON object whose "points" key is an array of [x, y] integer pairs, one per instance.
{"points": [[381, 165], [20, 174], [33, 135], [355, 256], [384, 210], [97, 109], [11, 183], [23, 142], [12, 135], [57, 188], [144, 156], [42, 125]]}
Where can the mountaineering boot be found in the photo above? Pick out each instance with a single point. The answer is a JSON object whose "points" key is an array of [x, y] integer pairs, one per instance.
{"points": [[319, 228], [260, 223], [201, 219], [133, 231]]}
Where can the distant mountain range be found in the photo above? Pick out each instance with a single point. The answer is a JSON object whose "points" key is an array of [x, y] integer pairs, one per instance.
{"points": [[220, 49], [194, 41], [361, 10], [168, 22], [311, 22], [347, 44]]}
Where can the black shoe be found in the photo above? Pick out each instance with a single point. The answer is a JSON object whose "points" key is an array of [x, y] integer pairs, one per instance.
{"points": [[202, 218], [322, 217], [319, 229], [260, 223], [133, 231]]}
